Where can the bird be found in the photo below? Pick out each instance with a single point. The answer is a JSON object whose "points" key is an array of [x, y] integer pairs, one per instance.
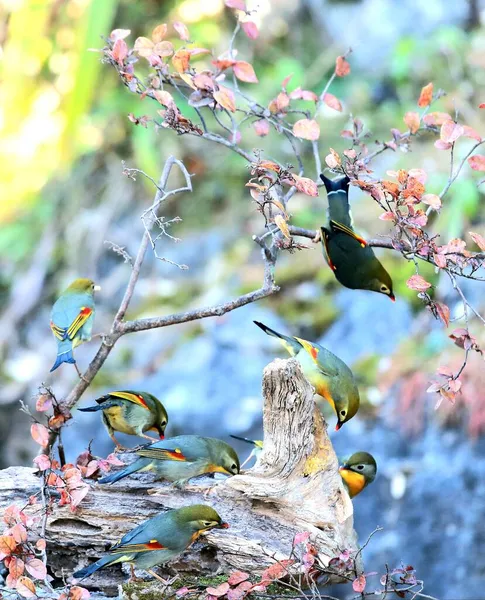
{"points": [[132, 413], [351, 259], [329, 375], [72, 318], [180, 458], [357, 472], [256, 451], [159, 540]]}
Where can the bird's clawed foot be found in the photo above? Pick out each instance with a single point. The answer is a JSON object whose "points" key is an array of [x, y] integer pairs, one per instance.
{"points": [[318, 237], [166, 582], [81, 376]]}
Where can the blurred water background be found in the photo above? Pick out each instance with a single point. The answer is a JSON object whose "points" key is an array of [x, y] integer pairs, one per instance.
{"points": [[64, 134]]}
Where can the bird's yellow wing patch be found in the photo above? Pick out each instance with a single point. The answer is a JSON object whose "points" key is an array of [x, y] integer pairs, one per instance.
{"points": [[59, 332], [79, 321], [162, 454], [309, 347], [135, 398], [151, 545], [344, 229], [355, 481]]}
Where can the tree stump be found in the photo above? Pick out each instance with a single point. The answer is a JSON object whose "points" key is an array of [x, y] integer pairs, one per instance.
{"points": [[295, 487]]}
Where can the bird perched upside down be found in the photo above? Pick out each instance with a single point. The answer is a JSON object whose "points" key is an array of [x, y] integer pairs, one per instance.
{"points": [[348, 255], [72, 318], [159, 540], [132, 413], [180, 458], [358, 471], [329, 375]]}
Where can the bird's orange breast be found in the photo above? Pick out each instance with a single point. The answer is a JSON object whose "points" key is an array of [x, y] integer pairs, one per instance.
{"points": [[355, 481]]}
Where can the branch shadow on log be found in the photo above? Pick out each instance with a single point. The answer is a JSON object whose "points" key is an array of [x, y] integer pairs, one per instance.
{"points": [[295, 487]]}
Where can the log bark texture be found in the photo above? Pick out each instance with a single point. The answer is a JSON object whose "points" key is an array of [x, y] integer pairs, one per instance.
{"points": [[294, 487]]}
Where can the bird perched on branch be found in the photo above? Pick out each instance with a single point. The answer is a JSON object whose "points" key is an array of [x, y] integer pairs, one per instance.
{"points": [[72, 318], [159, 540], [329, 375], [348, 255], [180, 458], [132, 413], [357, 472], [256, 451]]}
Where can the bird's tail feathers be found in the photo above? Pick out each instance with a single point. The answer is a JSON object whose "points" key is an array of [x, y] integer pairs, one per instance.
{"points": [[338, 199], [292, 345], [90, 569], [133, 468], [103, 406], [63, 357]]}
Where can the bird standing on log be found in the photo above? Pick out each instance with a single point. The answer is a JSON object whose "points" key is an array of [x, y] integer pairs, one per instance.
{"points": [[180, 458], [72, 318], [132, 413], [348, 255], [159, 540], [329, 375]]}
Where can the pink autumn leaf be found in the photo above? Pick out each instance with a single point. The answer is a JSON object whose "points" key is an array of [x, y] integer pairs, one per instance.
{"points": [[42, 462], [431, 200], [16, 567], [469, 132], [478, 239], [40, 544], [261, 127], [240, 591], [250, 29], [358, 585], [181, 592], [78, 593], [305, 185], [441, 145], [36, 568], [301, 537], [26, 587], [218, 591], [237, 4], [477, 162], [120, 51], [244, 71], [307, 129], [19, 533], [112, 459], [43, 403], [78, 494], [40, 434], [450, 132], [182, 30], [237, 577], [119, 34], [332, 101], [418, 283]]}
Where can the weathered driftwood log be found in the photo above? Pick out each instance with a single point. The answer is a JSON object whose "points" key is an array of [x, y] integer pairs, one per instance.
{"points": [[295, 487]]}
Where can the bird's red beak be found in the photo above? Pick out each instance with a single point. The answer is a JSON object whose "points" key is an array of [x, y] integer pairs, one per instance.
{"points": [[224, 525], [338, 426], [162, 437], [392, 297]]}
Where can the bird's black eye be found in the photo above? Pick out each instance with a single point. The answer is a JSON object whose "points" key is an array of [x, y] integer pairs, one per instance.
{"points": [[207, 523], [384, 289], [343, 413], [360, 467], [234, 467], [164, 423]]}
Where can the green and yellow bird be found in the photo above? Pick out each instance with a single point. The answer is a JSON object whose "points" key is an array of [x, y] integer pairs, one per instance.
{"points": [[180, 458], [72, 318], [329, 375], [348, 255], [159, 540], [256, 451], [132, 413], [358, 471]]}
